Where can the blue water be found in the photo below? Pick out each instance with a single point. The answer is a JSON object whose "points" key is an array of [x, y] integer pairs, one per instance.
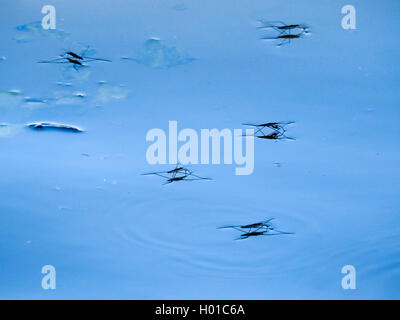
{"points": [[79, 202]]}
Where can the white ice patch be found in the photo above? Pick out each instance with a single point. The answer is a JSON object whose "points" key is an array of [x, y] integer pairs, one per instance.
{"points": [[155, 54], [33, 30], [8, 130], [10, 99], [66, 97], [53, 125], [107, 92]]}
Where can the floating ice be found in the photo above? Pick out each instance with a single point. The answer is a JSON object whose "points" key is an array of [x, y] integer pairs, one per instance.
{"points": [[54, 126], [14, 98], [8, 130], [30, 31], [10, 99], [4, 128], [64, 84], [70, 74], [155, 54], [66, 97], [33, 103], [107, 92]]}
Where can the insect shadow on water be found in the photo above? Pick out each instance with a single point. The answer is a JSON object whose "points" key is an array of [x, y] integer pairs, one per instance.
{"points": [[284, 30], [278, 130], [285, 37], [77, 60], [262, 228], [282, 27], [179, 173]]}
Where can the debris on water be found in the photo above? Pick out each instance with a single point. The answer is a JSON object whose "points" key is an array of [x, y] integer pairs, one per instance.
{"points": [[179, 7], [261, 228], [155, 54], [53, 126], [33, 30], [107, 92], [2, 58]]}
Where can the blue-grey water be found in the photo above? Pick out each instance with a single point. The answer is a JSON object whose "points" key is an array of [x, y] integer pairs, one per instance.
{"points": [[78, 201]]}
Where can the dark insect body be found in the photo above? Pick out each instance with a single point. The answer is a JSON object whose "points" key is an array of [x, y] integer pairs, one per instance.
{"points": [[278, 128], [284, 30], [179, 173], [77, 60], [263, 228]]}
